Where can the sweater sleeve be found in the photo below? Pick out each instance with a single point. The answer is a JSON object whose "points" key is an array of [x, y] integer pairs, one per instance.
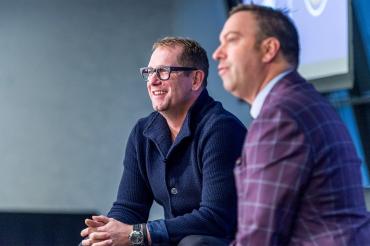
{"points": [[134, 198], [218, 149]]}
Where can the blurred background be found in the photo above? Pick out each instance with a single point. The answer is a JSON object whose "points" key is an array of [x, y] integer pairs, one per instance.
{"points": [[70, 93]]}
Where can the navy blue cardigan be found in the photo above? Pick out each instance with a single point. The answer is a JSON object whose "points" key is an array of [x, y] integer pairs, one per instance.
{"points": [[192, 178]]}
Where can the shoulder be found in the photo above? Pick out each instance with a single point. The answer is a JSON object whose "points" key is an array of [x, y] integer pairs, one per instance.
{"points": [[218, 127], [217, 113], [297, 98], [217, 116], [143, 123], [295, 106], [206, 111]]}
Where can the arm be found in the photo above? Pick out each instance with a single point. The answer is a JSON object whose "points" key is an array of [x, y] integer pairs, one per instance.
{"points": [[132, 206], [134, 198], [274, 170], [218, 148]]}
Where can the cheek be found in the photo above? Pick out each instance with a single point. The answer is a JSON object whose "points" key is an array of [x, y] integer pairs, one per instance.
{"points": [[174, 87], [241, 60], [235, 60], [148, 88]]}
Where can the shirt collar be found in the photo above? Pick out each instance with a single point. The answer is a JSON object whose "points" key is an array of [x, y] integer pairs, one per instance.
{"points": [[261, 96]]}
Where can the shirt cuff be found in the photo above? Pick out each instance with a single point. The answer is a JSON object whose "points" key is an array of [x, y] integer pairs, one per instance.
{"points": [[158, 232]]}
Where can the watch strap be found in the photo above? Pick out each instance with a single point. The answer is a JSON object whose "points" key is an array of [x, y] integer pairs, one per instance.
{"points": [[136, 229], [145, 233]]}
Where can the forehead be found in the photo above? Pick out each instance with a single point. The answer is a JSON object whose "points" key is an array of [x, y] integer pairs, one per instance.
{"points": [[242, 23], [165, 56]]}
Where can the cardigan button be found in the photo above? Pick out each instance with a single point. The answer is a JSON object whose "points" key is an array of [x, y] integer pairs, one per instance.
{"points": [[173, 191]]}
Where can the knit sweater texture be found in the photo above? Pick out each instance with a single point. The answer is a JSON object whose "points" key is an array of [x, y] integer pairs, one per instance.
{"points": [[191, 177]]}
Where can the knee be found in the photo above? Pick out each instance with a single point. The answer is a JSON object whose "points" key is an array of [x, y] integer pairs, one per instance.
{"points": [[191, 240], [198, 240]]}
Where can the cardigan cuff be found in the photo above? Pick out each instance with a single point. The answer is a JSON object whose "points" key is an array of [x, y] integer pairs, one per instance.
{"points": [[158, 232]]}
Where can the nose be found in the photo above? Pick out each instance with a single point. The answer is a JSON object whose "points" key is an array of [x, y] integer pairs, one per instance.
{"points": [[218, 53], [153, 79]]}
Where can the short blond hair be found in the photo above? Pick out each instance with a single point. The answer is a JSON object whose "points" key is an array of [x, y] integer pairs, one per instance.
{"points": [[193, 55]]}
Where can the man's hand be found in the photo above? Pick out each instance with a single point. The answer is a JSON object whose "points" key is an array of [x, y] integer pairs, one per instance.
{"points": [[104, 231]]}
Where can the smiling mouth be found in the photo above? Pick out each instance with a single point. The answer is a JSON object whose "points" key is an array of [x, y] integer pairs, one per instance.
{"points": [[159, 92]]}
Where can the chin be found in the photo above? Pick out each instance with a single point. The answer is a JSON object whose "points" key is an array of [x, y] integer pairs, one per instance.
{"points": [[229, 86], [156, 108], [159, 108], [237, 95]]}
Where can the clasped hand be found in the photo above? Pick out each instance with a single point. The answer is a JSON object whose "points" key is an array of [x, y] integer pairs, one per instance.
{"points": [[104, 231]]}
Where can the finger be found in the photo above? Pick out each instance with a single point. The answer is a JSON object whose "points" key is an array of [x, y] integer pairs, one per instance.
{"points": [[104, 243], [99, 236], [101, 218], [107, 226], [93, 223], [85, 232], [112, 223], [86, 242]]}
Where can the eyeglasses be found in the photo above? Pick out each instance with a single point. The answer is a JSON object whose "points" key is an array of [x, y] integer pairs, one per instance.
{"points": [[163, 72]]}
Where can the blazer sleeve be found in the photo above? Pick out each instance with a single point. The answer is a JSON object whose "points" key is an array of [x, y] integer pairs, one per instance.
{"points": [[274, 170]]}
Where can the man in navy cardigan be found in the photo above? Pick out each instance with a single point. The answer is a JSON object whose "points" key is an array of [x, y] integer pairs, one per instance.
{"points": [[182, 156]]}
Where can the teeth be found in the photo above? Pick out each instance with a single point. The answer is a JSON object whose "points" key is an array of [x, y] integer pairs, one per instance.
{"points": [[159, 92]]}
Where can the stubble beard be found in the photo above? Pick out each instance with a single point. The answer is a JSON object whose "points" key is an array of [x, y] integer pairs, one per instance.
{"points": [[161, 106]]}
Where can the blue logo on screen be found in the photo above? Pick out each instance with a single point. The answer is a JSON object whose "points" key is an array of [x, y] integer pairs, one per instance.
{"points": [[315, 7]]}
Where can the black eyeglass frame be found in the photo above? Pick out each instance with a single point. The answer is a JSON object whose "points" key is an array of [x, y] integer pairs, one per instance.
{"points": [[168, 69]]}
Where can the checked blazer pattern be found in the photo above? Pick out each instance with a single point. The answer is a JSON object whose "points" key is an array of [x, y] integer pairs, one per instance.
{"points": [[299, 180]]}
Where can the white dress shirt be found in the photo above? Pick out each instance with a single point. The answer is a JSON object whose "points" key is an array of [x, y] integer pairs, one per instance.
{"points": [[261, 96]]}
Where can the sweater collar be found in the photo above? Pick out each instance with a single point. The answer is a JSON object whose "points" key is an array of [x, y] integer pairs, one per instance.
{"points": [[158, 131]]}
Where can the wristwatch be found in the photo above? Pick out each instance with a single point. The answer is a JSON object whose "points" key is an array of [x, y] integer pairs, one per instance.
{"points": [[136, 237]]}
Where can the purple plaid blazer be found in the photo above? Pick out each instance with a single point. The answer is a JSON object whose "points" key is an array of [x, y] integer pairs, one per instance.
{"points": [[299, 180]]}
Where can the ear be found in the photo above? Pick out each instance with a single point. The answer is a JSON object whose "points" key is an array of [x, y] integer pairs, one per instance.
{"points": [[198, 77], [270, 48]]}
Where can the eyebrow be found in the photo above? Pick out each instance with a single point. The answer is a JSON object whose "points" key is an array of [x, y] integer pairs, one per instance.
{"points": [[231, 33]]}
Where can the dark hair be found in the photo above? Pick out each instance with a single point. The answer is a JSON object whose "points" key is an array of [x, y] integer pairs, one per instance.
{"points": [[274, 23], [193, 54]]}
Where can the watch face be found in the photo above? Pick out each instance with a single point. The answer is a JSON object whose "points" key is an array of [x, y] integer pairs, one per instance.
{"points": [[136, 237]]}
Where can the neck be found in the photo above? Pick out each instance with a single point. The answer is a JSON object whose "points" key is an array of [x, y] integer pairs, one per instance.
{"points": [[175, 118], [272, 71], [175, 125]]}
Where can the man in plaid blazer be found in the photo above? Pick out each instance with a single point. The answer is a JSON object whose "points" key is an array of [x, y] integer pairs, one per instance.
{"points": [[298, 179]]}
